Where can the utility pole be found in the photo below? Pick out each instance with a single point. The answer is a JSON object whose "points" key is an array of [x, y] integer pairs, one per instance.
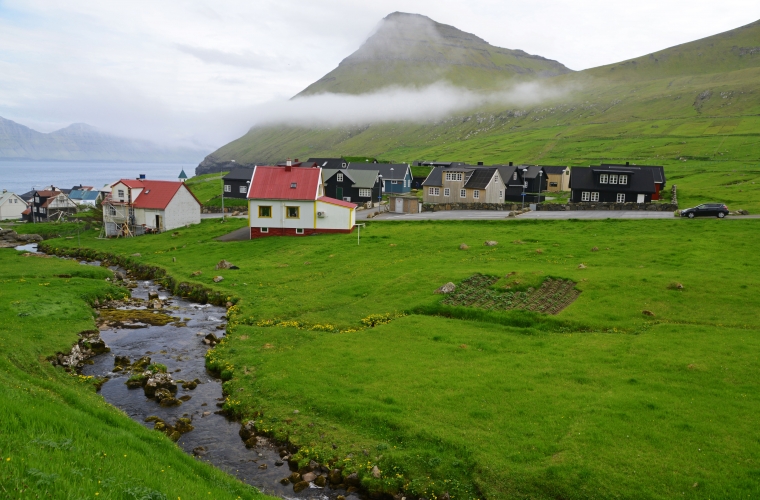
{"points": [[222, 198]]}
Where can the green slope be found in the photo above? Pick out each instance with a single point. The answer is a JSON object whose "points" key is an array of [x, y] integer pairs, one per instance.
{"points": [[695, 105], [414, 50]]}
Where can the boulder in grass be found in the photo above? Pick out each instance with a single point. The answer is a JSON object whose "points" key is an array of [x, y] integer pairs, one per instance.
{"points": [[595, 249], [464, 246], [647, 313], [581, 266], [491, 243], [223, 264], [217, 279], [447, 288]]}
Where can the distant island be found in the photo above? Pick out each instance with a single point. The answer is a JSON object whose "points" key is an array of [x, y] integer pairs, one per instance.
{"points": [[82, 142]]}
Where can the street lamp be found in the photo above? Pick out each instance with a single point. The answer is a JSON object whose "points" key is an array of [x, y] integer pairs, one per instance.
{"points": [[392, 178], [540, 179], [525, 185]]}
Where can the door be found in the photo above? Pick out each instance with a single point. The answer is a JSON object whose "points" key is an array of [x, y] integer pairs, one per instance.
{"points": [[339, 193], [158, 223], [640, 198], [399, 206]]}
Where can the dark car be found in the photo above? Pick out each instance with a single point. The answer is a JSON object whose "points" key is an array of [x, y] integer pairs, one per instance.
{"points": [[706, 210]]}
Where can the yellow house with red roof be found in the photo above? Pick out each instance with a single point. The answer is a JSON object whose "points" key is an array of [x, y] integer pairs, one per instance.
{"points": [[290, 201]]}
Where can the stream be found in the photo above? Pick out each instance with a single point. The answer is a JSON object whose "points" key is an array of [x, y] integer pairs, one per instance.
{"points": [[180, 346]]}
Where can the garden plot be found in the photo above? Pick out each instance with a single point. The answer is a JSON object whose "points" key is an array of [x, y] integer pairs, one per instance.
{"points": [[551, 297]]}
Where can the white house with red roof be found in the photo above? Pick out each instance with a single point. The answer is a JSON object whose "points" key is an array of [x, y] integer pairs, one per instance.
{"points": [[138, 206], [290, 201]]}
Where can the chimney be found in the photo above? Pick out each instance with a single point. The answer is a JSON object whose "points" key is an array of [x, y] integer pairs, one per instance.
{"points": [[295, 161], [288, 163], [510, 164], [627, 164], [480, 163], [142, 177]]}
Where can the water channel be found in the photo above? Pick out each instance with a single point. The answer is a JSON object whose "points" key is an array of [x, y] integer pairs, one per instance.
{"points": [[179, 345]]}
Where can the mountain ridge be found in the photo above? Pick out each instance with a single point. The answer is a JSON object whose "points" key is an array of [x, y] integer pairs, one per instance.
{"points": [[82, 142], [693, 100]]}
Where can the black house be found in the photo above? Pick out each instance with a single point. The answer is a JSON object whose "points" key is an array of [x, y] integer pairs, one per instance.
{"points": [[236, 183], [520, 179], [357, 186], [616, 183]]}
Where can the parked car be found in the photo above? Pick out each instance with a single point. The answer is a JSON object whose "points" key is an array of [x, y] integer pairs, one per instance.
{"points": [[706, 209]]}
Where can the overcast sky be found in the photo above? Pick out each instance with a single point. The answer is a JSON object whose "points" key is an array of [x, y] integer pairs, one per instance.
{"points": [[197, 72]]}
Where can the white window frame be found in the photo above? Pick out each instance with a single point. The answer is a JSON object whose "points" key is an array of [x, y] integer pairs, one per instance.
{"points": [[585, 196], [453, 176], [111, 210], [620, 198], [228, 188], [339, 177], [120, 193], [42, 210], [264, 229], [476, 194], [434, 191], [463, 193], [299, 230], [613, 178], [595, 196], [603, 178], [365, 193], [623, 180], [514, 176], [243, 190], [501, 194], [446, 192]]}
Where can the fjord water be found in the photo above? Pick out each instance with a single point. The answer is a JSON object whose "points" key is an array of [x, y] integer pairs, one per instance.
{"points": [[21, 176], [182, 350]]}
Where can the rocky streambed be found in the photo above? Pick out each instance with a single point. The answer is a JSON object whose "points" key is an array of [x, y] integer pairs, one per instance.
{"points": [[151, 359]]}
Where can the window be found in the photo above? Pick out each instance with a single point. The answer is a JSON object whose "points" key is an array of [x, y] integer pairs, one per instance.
{"points": [[463, 193], [594, 196], [265, 212], [42, 210], [613, 178], [434, 191], [603, 179], [514, 176], [501, 194], [585, 196], [111, 210], [299, 231], [339, 177], [243, 190], [621, 197], [293, 185], [35, 209], [394, 182], [264, 229], [623, 179], [37, 198], [365, 193], [553, 184], [446, 192], [227, 188], [121, 194], [475, 194], [453, 176], [293, 212]]}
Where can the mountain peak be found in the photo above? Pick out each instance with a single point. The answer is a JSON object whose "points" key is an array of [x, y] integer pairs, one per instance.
{"points": [[413, 50]]}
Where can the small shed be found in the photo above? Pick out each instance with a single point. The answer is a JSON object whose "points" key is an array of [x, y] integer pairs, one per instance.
{"points": [[404, 204]]}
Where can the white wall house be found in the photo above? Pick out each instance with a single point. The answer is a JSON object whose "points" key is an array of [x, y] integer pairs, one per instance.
{"points": [[138, 206], [290, 201], [11, 206]]}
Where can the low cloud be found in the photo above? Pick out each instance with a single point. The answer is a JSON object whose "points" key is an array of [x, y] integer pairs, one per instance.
{"points": [[246, 59], [396, 104]]}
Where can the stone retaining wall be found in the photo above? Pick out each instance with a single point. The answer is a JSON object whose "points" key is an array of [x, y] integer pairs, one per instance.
{"points": [[438, 207], [227, 210], [649, 207]]}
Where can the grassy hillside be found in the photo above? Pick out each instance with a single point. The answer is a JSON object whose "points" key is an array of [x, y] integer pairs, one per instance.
{"points": [[414, 50], [600, 401], [208, 189], [58, 438], [695, 107]]}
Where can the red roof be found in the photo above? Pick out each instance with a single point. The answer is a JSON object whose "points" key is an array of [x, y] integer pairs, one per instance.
{"points": [[340, 203], [278, 183], [154, 194]]}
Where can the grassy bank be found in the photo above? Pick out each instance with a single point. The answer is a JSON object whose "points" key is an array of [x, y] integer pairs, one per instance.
{"points": [[600, 400], [58, 438]]}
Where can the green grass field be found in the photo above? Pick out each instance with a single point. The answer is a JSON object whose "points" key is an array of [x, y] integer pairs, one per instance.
{"points": [[598, 401], [58, 438], [208, 189]]}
